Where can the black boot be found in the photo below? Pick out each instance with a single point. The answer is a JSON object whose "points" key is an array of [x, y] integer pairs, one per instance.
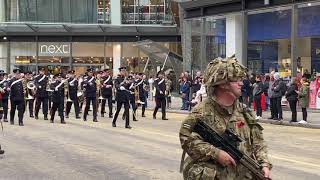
{"points": [[11, 122], [62, 121], [21, 123], [1, 151], [128, 127], [114, 124], [5, 120], [78, 117], [45, 117], [51, 121]]}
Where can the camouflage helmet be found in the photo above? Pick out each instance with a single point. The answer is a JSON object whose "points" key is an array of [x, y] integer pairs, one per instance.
{"points": [[223, 70]]}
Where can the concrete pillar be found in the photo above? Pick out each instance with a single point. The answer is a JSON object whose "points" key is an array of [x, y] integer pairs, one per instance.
{"points": [[186, 38], [234, 37], [115, 12], [3, 56], [116, 58], [294, 32]]}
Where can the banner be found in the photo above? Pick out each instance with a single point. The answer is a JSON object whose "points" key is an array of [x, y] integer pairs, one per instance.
{"points": [[315, 94]]}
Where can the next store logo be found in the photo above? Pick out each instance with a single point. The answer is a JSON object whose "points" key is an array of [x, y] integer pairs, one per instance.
{"points": [[54, 49]]}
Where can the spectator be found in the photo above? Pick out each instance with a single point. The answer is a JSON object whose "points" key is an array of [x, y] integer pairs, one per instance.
{"points": [[266, 84], [292, 97], [306, 74], [196, 83], [246, 91], [304, 99], [257, 91], [279, 88], [185, 90]]}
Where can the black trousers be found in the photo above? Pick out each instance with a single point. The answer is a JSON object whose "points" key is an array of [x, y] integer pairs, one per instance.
{"points": [[93, 100], [293, 108], [76, 107], [304, 114], [126, 112], [5, 108], [257, 100], [30, 103], [143, 99], [57, 106], [276, 108], [44, 102], [160, 103], [103, 105], [19, 105]]}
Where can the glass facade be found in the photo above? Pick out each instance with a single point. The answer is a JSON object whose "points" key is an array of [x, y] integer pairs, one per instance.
{"points": [[147, 12]]}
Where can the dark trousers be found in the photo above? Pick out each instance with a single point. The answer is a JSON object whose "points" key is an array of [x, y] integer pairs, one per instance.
{"points": [[30, 103], [19, 105], [293, 108], [57, 106], [76, 107], [126, 112], [144, 104], [304, 114], [44, 101], [93, 100], [134, 108], [276, 108], [279, 107], [160, 103], [5, 108], [103, 105], [257, 100]]}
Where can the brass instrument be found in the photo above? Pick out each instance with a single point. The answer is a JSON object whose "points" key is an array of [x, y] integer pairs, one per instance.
{"points": [[99, 87], [66, 87], [146, 87], [48, 85], [30, 87]]}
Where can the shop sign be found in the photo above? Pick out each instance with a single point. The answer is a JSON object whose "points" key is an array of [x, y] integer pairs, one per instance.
{"points": [[54, 49]]}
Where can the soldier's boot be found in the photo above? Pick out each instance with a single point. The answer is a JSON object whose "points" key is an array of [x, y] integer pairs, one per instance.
{"points": [[62, 121], [84, 117], [78, 116], [95, 119], [21, 123], [102, 114], [67, 115], [5, 120], [11, 121], [114, 124], [51, 120], [1, 151], [31, 115], [36, 116], [110, 115], [46, 117]]}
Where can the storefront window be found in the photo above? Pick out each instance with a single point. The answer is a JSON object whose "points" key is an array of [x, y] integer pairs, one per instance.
{"points": [[269, 45], [23, 55], [87, 54], [3, 55], [104, 12], [308, 43]]}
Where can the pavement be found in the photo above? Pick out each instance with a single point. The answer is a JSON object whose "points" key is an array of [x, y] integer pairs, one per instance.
{"points": [[149, 151], [313, 114]]}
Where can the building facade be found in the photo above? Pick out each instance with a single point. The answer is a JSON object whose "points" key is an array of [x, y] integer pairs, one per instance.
{"points": [[264, 35], [76, 34]]}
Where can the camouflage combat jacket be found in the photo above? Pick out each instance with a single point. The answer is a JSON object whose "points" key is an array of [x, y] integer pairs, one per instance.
{"points": [[200, 163]]}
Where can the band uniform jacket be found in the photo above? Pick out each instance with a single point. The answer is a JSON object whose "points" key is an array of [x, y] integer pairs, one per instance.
{"points": [[16, 89], [73, 88], [122, 95], [4, 86], [58, 91], [90, 87], [140, 84], [41, 83], [160, 85], [106, 92]]}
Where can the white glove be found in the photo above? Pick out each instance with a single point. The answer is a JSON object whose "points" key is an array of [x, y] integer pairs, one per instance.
{"points": [[56, 89], [122, 88]]}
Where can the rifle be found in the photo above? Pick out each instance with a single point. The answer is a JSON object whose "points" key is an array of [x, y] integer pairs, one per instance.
{"points": [[229, 142]]}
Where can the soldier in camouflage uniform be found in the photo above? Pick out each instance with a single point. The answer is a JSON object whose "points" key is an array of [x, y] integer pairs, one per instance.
{"points": [[221, 110]]}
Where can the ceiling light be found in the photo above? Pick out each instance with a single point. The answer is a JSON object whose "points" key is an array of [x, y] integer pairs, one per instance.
{"points": [[309, 4]]}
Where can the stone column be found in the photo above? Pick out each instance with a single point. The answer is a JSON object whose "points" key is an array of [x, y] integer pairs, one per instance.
{"points": [[116, 58], [115, 12]]}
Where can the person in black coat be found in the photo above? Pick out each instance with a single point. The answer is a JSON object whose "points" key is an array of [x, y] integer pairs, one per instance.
{"points": [[106, 91], [257, 92], [141, 83], [122, 96], [72, 94], [160, 98], [58, 86], [90, 93], [292, 97], [41, 81], [17, 96], [5, 95]]}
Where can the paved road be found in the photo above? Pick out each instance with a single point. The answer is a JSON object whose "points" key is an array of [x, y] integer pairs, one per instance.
{"points": [[151, 150]]}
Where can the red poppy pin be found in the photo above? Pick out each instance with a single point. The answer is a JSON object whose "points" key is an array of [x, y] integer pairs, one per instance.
{"points": [[240, 124]]}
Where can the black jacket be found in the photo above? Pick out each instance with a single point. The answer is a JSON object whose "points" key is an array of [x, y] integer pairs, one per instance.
{"points": [[160, 85], [58, 92], [291, 94], [90, 87], [41, 82], [122, 95], [279, 88], [106, 92], [16, 89], [4, 85]]}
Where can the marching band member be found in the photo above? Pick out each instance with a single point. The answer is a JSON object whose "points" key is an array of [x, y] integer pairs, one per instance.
{"points": [[58, 87], [16, 96], [72, 94], [141, 84], [4, 94], [122, 96], [132, 97], [160, 86], [90, 89], [106, 91], [29, 93], [41, 82]]}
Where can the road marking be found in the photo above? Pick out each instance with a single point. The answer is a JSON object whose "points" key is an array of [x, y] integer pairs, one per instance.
{"points": [[295, 161]]}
